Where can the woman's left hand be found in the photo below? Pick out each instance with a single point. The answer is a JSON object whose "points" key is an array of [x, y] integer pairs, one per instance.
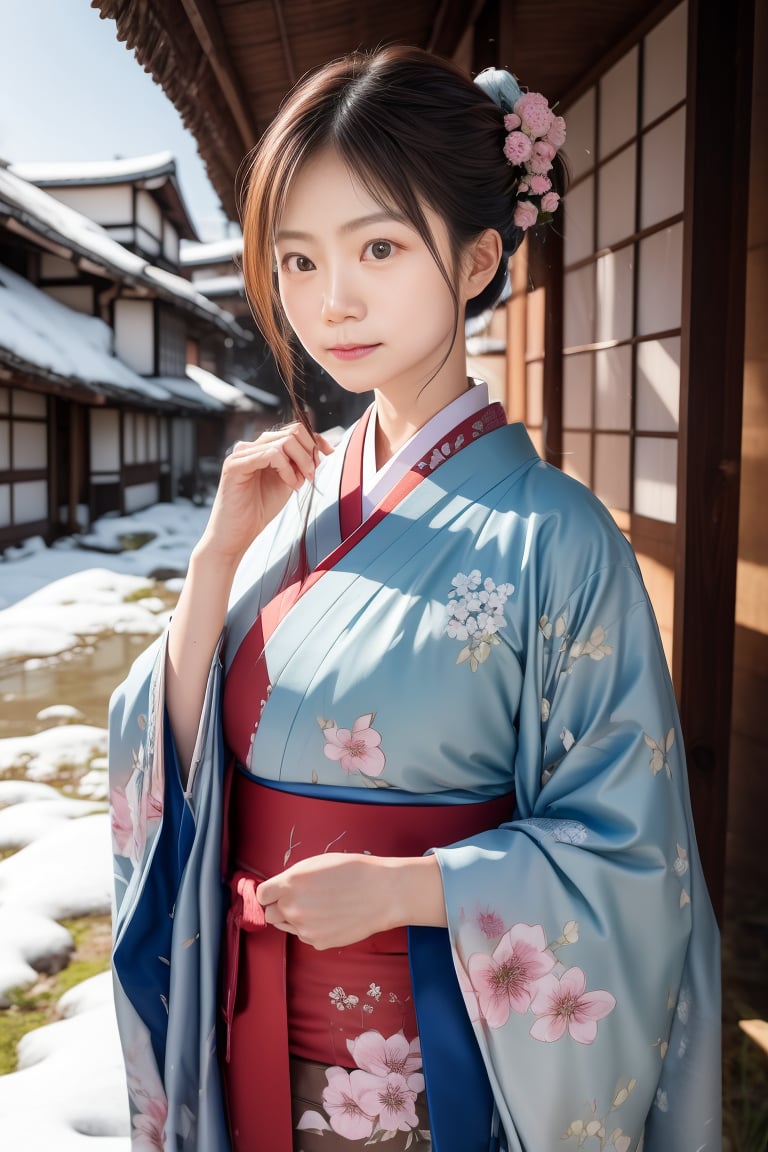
{"points": [[338, 898]]}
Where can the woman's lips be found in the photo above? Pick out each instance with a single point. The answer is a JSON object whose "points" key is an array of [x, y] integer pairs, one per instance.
{"points": [[352, 351]]}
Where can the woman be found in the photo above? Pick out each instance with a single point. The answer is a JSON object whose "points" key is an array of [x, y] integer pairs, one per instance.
{"points": [[412, 685]]}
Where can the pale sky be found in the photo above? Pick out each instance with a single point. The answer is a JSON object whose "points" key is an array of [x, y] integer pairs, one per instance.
{"points": [[69, 90]]}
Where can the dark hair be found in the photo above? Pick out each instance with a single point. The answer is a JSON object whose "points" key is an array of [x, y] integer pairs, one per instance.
{"points": [[416, 131]]}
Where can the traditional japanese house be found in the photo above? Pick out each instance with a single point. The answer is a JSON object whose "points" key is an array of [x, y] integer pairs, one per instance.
{"points": [[111, 363]]}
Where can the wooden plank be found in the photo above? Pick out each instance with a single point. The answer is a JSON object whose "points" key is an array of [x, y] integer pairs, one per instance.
{"points": [[717, 140]]}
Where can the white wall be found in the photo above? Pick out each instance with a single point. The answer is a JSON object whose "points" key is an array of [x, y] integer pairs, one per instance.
{"points": [[135, 335], [112, 204], [105, 440], [141, 496]]}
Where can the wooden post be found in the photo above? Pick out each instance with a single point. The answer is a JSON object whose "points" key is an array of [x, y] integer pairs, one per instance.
{"points": [[712, 364]]}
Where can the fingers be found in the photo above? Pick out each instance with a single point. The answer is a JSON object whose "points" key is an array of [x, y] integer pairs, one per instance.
{"points": [[291, 451]]}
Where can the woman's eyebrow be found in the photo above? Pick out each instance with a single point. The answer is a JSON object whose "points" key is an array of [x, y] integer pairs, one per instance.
{"points": [[349, 226]]}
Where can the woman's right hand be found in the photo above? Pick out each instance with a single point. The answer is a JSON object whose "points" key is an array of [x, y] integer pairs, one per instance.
{"points": [[256, 481]]}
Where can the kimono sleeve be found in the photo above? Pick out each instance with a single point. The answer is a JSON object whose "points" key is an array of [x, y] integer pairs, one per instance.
{"points": [[168, 912], [583, 938]]}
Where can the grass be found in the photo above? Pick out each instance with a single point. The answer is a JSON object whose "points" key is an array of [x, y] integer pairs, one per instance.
{"points": [[132, 541], [139, 594], [31, 1008]]}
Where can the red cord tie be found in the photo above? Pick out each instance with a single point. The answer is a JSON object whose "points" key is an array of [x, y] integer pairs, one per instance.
{"points": [[245, 914]]}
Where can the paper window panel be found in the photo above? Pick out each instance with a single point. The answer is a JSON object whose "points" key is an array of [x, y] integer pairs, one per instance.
{"points": [[5, 505], [577, 455], [664, 64], [5, 445], [535, 323], [129, 438], [658, 385], [612, 470], [613, 388], [577, 390], [28, 404], [579, 221], [655, 479], [154, 437], [534, 392], [141, 438], [30, 445], [579, 307], [618, 104], [663, 170], [105, 440], [30, 501], [537, 439], [660, 281], [615, 293], [580, 122], [616, 198]]}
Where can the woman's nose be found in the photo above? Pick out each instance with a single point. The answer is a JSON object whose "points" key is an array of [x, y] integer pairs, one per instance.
{"points": [[341, 300]]}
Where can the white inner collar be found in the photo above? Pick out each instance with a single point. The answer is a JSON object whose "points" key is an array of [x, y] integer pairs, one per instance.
{"points": [[377, 483]]}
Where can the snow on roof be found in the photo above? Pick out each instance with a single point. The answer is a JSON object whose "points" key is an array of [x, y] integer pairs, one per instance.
{"points": [[202, 388], [213, 286], [189, 393], [98, 171], [214, 252], [227, 394], [47, 335], [46, 216]]}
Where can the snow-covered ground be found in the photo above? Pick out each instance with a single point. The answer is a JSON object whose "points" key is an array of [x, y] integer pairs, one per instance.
{"points": [[68, 1094]]}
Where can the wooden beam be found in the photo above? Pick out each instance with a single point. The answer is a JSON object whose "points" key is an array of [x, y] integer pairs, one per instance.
{"points": [[451, 22], [284, 41], [205, 23], [711, 388]]}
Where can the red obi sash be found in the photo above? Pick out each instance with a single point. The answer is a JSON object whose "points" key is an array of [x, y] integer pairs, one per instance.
{"points": [[281, 995]]}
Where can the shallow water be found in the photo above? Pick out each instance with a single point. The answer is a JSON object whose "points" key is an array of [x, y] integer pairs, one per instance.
{"points": [[84, 678]]}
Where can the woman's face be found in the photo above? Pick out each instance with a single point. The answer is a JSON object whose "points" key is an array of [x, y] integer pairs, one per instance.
{"points": [[361, 289]]}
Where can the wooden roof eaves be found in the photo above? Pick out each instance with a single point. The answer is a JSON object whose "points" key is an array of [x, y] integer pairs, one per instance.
{"points": [[165, 44]]}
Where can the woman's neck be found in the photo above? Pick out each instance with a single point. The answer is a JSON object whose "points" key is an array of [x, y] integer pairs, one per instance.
{"points": [[397, 422]]}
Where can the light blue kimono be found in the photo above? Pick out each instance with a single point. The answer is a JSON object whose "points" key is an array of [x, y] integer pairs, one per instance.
{"points": [[491, 632]]}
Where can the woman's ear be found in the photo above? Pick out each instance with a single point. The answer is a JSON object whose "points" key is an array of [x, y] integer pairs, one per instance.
{"points": [[482, 259]]}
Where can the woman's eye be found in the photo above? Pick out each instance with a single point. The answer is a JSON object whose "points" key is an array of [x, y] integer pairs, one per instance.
{"points": [[296, 263], [380, 249]]}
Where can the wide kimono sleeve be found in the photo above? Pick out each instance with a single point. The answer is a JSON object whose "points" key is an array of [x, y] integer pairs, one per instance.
{"points": [[168, 913], [582, 934]]}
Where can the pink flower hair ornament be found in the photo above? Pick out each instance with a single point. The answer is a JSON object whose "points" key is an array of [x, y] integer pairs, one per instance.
{"points": [[534, 135]]}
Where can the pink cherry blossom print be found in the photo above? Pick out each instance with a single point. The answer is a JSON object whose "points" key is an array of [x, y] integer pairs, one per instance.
{"points": [[356, 750], [392, 1098], [342, 1102], [505, 981], [122, 823], [467, 991], [563, 1003], [490, 924], [373, 1053], [149, 1126]]}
